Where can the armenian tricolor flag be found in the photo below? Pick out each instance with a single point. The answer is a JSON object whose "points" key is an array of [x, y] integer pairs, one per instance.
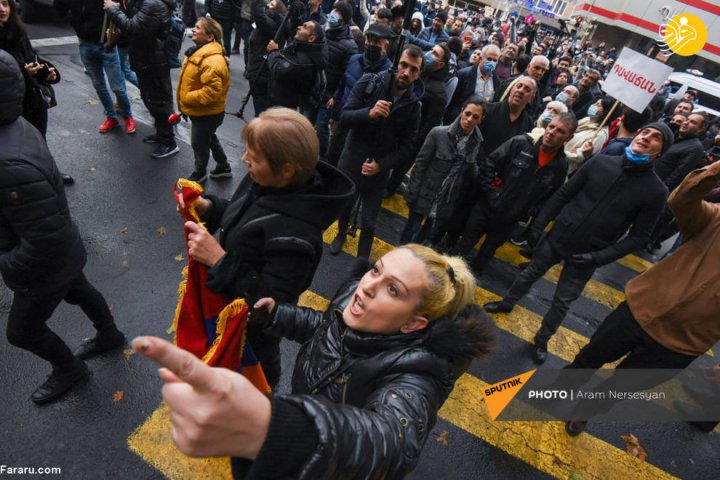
{"points": [[207, 324]]}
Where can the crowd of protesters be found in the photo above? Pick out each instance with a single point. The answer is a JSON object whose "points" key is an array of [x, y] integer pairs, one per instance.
{"points": [[489, 127]]}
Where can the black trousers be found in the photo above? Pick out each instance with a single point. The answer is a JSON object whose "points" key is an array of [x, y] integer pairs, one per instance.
{"points": [[479, 223], [204, 140], [157, 95], [620, 334], [569, 287], [27, 322]]}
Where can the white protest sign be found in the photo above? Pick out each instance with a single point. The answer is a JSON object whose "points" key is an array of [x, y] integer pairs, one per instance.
{"points": [[635, 79]]}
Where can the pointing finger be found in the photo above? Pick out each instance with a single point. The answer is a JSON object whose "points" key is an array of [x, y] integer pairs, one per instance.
{"points": [[180, 362]]}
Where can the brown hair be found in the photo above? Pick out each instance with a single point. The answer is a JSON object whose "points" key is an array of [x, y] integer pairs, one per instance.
{"points": [[211, 27], [284, 136]]}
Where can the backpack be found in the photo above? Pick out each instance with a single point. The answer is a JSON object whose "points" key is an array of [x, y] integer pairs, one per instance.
{"points": [[173, 41], [317, 91]]}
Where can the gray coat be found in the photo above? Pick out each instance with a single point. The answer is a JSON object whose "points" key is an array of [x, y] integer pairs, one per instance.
{"points": [[434, 165]]}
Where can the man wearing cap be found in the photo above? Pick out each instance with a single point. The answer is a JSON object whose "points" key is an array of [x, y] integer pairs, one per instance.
{"points": [[607, 196], [374, 60]]}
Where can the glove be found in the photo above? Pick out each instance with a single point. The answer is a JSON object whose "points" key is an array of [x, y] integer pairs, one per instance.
{"points": [[584, 259], [533, 237]]}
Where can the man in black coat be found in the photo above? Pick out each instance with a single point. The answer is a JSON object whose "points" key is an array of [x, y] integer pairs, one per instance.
{"points": [[592, 211], [515, 177], [479, 79], [224, 12], [382, 134], [267, 20], [509, 117], [41, 253], [340, 46], [686, 154], [589, 92], [145, 24], [294, 70]]}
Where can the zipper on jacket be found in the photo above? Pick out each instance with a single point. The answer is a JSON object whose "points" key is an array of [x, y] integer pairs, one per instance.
{"points": [[343, 380], [323, 383]]}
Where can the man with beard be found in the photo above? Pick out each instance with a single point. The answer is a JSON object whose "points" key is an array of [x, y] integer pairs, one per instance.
{"points": [[293, 70], [686, 154], [504, 68], [589, 92], [373, 60], [434, 77], [604, 199], [381, 136]]}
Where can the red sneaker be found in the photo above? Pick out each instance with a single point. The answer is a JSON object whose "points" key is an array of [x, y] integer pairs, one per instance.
{"points": [[129, 125], [109, 124]]}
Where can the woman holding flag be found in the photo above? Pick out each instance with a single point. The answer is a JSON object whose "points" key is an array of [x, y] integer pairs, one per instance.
{"points": [[270, 233], [372, 373]]}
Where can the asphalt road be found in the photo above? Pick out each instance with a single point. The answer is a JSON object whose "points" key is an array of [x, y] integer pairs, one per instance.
{"points": [[122, 202]]}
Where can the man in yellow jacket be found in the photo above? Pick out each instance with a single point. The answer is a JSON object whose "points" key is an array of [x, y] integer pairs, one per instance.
{"points": [[202, 91], [672, 312]]}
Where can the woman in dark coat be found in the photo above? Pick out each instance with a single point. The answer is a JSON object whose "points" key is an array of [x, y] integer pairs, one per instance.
{"points": [[14, 40], [270, 232], [372, 373]]}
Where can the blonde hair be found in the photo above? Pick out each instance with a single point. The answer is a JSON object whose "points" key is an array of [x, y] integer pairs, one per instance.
{"points": [[451, 285], [285, 136], [211, 27]]}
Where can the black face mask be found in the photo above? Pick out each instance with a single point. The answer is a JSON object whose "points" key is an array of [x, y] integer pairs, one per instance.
{"points": [[675, 129], [373, 53]]}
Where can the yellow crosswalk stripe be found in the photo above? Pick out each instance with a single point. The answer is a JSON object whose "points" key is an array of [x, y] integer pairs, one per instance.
{"points": [[544, 445]]}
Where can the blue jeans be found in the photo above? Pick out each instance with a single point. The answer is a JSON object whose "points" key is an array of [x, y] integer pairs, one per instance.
{"points": [[98, 63], [322, 126], [128, 72]]}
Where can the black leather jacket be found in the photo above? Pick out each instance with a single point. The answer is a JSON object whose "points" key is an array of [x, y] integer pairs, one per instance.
{"points": [[371, 399]]}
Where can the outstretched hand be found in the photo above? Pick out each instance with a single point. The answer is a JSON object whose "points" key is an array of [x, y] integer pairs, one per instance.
{"points": [[214, 411]]}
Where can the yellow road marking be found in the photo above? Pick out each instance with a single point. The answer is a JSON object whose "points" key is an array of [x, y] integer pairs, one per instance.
{"points": [[153, 442], [544, 445]]}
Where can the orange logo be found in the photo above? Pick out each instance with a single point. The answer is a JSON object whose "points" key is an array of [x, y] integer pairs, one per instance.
{"points": [[498, 396]]}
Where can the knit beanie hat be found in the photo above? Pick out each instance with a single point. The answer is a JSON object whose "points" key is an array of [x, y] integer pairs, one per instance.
{"points": [[418, 16], [442, 15], [345, 10], [668, 136]]}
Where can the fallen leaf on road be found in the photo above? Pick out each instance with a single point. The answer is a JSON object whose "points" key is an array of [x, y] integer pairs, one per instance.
{"points": [[443, 438], [125, 263], [632, 445], [92, 102], [118, 396], [162, 231], [179, 257], [92, 169], [124, 230], [128, 352]]}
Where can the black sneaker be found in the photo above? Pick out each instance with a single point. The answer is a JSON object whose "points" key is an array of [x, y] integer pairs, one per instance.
{"points": [[59, 382], [198, 177], [164, 151], [221, 172], [151, 139], [99, 344]]}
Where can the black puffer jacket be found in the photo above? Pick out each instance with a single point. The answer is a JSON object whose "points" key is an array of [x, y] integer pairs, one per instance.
{"points": [[273, 237], [341, 46], [606, 196], [40, 246], [16, 43], [370, 400], [389, 141], [86, 17], [267, 23], [293, 73], [145, 23], [522, 184], [221, 9]]}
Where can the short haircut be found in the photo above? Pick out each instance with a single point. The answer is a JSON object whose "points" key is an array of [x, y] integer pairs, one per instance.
{"points": [[634, 121], [569, 119], [705, 117], [318, 32], [385, 13], [565, 59], [455, 45], [522, 61], [594, 72], [488, 47], [413, 51], [284, 136], [446, 53], [692, 105], [475, 100]]}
